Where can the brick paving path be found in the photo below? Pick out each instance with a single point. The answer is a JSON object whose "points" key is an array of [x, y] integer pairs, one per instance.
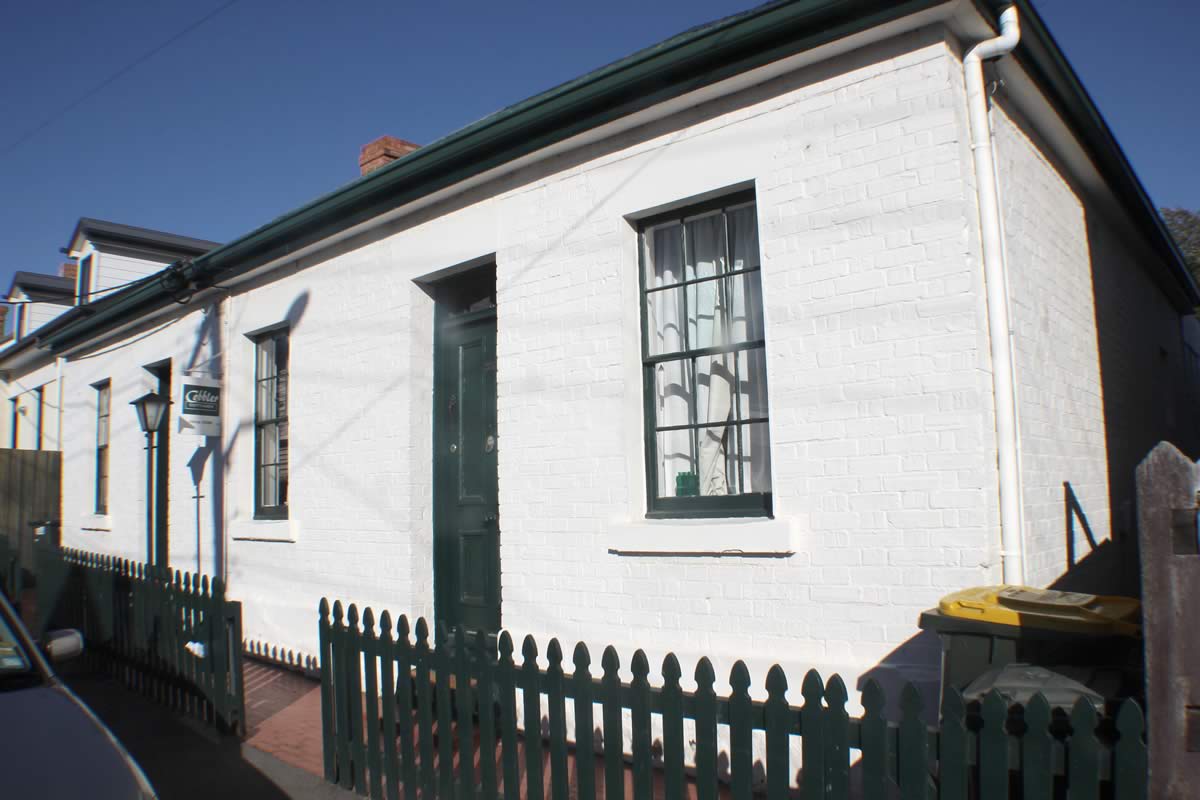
{"points": [[283, 715]]}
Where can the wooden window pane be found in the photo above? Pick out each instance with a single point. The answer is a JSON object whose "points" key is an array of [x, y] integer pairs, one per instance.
{"points": [[281, 353], [266, 404], [745, 307], [266, 359], [280, 398], [707, 315], [666, 321], [752, 384], [756, 457], [743, 237], [663, 252], [673, 395], [269, 488], [677, 464], [268, 444], [705, 246]]}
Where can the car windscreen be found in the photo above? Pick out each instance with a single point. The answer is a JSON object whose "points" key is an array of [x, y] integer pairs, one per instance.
{"points": [[13, 658]]}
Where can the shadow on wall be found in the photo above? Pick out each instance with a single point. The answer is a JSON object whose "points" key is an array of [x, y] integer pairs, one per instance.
{"points": [[211, 332], [1108, 567], [1149, 382], [1147, 386]]}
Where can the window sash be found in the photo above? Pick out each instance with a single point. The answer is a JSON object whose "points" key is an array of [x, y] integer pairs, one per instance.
{"points": [[736, 330], [271, 426], [103, 411]]}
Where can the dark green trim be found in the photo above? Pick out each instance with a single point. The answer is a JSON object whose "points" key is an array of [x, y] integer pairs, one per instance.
{"points": [[686, 62], [273, 334], [684, 211], [750, 504], [100, 493], [731, 505]]}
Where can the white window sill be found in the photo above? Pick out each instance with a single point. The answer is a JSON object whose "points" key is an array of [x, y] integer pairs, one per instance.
{"points": [[264, 530], [703, 537], [96, 523]]}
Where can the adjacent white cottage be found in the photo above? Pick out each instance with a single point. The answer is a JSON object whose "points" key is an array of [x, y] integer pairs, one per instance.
{"points": [[706, 351]]}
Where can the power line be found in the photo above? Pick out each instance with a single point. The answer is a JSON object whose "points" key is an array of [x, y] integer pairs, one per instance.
{"points": [[50, 120], [76, 297]]}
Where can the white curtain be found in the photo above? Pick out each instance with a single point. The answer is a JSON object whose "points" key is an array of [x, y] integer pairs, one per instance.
{"points": [[714, 374], [666, 321], [716, 313]]}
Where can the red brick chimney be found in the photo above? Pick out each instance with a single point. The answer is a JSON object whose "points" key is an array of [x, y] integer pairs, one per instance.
{"points": [[69, 270], [382, 152]]}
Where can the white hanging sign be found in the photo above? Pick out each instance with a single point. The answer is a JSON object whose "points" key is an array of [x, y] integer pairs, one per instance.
{"points": [[200, 406]]}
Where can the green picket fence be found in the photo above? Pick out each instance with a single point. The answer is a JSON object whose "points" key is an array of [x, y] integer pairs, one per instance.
{"points": [[172, 636], [402, 719]]}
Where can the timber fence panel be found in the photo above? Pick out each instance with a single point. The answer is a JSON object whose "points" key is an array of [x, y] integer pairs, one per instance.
{"points": [[172, 636], [416, 720]]}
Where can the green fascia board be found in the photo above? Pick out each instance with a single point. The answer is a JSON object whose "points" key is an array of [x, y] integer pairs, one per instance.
{"points": [[686, 62]]}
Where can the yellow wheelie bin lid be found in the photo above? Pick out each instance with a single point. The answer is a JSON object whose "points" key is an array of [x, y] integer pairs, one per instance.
{"points": [[1025, 606]]}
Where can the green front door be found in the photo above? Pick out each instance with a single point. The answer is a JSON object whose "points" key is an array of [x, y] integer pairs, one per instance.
{"points": [[466, 547]]}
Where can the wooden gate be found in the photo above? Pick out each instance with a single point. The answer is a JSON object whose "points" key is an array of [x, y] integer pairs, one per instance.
{"points": [[30, 492]]}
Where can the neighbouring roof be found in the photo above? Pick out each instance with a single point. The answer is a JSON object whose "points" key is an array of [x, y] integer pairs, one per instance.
{"points": [[115, 232], [691, 60], [41, 283]]}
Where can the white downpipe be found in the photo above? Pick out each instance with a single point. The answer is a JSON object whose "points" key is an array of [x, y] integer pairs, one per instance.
{"points": [[996, 277], [58, 383]]}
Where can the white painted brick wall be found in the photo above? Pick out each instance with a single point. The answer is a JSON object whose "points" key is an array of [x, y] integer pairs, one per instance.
{"points": [[23, 388], [1099, 358], [882, 435], [880, 421], [875, 335], [1057, 356]]}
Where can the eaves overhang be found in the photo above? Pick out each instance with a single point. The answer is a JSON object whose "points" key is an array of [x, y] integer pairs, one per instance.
{"points": [[684, 63]]}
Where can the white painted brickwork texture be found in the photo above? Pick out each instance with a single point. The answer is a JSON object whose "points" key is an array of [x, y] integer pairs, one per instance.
{"points": [[1057, 358], [875, 335], [883, 443]]}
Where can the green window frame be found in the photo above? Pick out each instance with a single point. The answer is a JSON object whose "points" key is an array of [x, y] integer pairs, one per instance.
{"points": [[103, 412], [707, 439], [272, 351]]}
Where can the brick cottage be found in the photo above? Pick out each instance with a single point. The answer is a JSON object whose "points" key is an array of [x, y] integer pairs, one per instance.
{"points": [[750, 345]]}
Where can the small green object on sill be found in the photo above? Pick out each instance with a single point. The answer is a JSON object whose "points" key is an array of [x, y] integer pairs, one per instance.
{"points": [[687, 484]]}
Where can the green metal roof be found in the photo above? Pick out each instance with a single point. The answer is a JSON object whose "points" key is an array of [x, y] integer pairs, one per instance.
{"points": [[686, 62]]}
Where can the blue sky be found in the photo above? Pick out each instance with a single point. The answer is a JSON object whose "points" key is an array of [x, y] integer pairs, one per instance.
{"points": [[264, 106]]}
